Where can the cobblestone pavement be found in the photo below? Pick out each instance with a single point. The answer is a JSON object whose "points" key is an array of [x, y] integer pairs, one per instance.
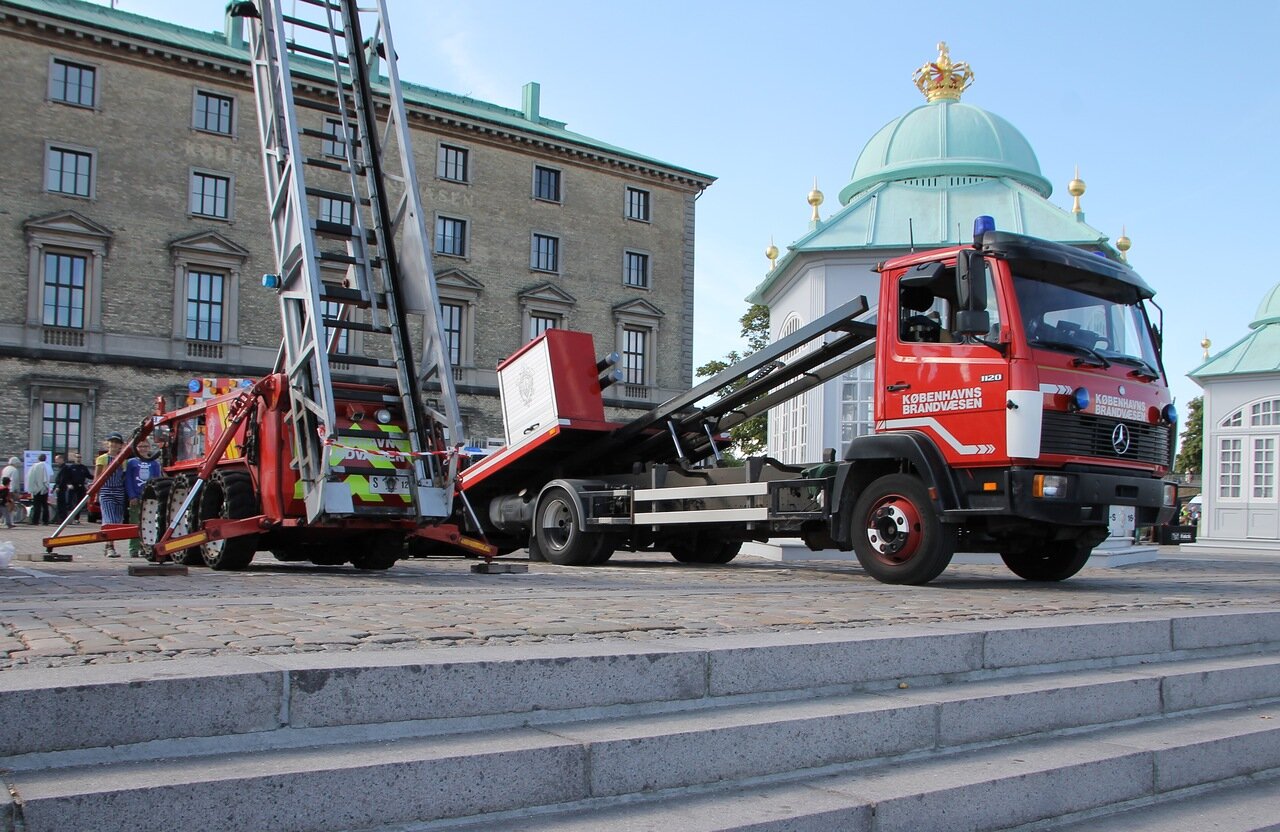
{"points": [[90, 611]]}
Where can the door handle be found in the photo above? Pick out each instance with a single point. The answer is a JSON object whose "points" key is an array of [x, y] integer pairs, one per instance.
{"points": [[897, 388]]}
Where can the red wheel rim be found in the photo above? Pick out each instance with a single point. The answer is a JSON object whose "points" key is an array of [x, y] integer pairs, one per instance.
{"points": [[893, 529]]}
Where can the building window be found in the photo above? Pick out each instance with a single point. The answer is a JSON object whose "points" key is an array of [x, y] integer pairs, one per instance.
{"points": [[539, 324], [637, 204], [545, 256], [72, 83], [451, 331], [1235, 420], [451, 236], [213, 112], [336, 211], [68, 171], [64, 290], [1265, 413], [451, 163], [333, 310], [334, 144], [635, 269], [1264, 468], [204, 306], [789, 421], [1229, 468], [635, 343], [857, 396], [211, 195], [546, 183], [60, 427]]}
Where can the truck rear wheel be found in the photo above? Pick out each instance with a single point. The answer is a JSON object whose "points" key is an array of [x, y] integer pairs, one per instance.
{"points": [[153, 514], [381, 551], [228, 495], [897, 535], [708, 551], [1057, 561], [559, 533], [178, 491]]}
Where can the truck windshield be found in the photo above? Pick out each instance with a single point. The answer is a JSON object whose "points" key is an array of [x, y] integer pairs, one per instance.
{"points": [[1057, 316]]}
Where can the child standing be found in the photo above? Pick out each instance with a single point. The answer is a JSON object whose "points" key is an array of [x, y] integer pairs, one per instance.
{"points": [[6, 503]]}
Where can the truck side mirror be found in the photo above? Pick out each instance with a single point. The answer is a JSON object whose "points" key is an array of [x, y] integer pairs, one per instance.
{"points": [[971, 281], [973, 322]]}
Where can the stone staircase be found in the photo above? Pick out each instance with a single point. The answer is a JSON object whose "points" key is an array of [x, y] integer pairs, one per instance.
{"points": [[1148, 722]]}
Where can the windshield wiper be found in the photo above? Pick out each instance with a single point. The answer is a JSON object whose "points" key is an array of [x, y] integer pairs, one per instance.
{"points": [[1098, 359], [1144, 370]]}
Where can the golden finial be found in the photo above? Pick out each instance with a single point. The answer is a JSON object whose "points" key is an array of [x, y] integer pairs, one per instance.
{"points": [[1204, 345], [1076, 188], [942, 80], [772, 253], [1123, 244], [815, 199]]}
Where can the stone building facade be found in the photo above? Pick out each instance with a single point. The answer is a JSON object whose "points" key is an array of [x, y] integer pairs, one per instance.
{"points": [[134, 228]]}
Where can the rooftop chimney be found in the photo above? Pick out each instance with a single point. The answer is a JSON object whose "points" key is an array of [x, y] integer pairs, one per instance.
{"points": [[532, 96]]}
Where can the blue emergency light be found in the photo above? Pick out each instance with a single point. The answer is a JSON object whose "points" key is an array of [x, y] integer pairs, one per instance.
{"points": [[1081, 398], [981, 226]]}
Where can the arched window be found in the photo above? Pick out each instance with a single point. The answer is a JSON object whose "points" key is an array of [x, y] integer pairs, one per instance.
{"points": [[788, 422]]}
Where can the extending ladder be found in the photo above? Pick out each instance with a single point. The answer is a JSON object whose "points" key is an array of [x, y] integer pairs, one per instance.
{"points": [[358, 171]]}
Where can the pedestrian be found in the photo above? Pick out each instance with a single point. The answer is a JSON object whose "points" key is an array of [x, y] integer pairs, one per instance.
{"points": [[59, 499], [6, 502], [111, 493], [38, 485], [137, 471], [71, 484], [14, 472]]}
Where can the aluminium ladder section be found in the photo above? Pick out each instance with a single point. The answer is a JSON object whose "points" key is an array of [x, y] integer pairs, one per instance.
{"points": [[390, 282], [674, 432]]}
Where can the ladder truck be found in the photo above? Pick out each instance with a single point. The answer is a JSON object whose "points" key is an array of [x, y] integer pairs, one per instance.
{"points": [[1020, 398], [299, 463]]}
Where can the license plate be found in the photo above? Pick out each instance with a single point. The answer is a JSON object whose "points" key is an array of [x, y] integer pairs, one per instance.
{"points": [[380, 484]]}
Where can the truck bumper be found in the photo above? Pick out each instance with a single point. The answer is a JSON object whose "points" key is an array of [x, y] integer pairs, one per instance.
{"points": [[1084, 498]]}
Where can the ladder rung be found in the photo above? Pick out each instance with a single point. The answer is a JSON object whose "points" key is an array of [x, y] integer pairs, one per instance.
{"points": [[324, 4], [353, 433], [371, 396], [344, 232], [323, 107], [328, 194], [341, 294], [294, 46], [361, 326], [313, 133], [335, 257], [311, 24], [366, 361], [324, 163]]}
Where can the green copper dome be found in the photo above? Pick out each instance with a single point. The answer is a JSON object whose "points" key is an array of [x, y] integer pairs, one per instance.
{"points": [[1269, 309], [946, 138]]}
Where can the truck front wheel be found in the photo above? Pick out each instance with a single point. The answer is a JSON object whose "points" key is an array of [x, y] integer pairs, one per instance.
{"points": [[559, 533], [897, 536], [1057, 561]]}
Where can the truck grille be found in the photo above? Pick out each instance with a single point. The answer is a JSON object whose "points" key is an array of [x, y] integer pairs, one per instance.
{"points": [[1080, 434]]}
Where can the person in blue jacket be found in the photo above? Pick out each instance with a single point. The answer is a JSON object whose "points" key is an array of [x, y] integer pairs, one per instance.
{"points": [[137, 470]]}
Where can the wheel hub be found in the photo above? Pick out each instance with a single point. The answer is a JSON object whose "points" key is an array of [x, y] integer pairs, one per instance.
{"points": [[893, 530]]}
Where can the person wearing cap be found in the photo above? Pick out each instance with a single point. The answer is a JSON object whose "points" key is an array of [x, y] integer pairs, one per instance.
{"points": [[111, 496], [14, 472]]}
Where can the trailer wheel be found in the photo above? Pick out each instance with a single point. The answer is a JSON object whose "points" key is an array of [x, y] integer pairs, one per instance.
{"points": [[381, 552], [1057, 561], [153, 514], [558, 531], [229, 495], [897, 536], [178, 491]]}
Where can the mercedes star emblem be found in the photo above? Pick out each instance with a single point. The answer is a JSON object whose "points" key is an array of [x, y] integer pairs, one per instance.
{"points": [[1120, 439]]}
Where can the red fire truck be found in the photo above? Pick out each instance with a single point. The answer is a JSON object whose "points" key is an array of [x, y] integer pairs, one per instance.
{"points": [[1020, 394]]}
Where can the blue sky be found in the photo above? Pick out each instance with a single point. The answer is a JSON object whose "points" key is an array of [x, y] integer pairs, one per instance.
{"points": [[1170, 109]]}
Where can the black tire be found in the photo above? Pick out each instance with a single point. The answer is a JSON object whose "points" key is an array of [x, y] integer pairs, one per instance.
{"points": [[153, 514], [228, 495], [381, 552], [897, 535], [559, 533], [1056, 561], [707, 551], [178, 490]]}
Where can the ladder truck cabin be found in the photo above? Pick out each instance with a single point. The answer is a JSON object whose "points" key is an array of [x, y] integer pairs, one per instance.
{"points": [[298, 463], [1020, 395]]}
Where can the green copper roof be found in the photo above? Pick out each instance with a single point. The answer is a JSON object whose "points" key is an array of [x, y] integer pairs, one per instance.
{"points": [[946, 138], [1257, 352], [214, 44]]}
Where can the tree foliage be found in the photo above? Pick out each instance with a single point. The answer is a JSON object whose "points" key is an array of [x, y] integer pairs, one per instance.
{"points": [[749, 437], [1192, 450]]}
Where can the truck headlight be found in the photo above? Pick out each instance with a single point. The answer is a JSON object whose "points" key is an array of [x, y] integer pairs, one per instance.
{"points": [[1049, 486], [1170, 494], [383, 416]]}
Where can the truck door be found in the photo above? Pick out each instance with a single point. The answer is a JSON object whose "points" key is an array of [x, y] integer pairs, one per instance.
{"points": [[952, 387]]}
